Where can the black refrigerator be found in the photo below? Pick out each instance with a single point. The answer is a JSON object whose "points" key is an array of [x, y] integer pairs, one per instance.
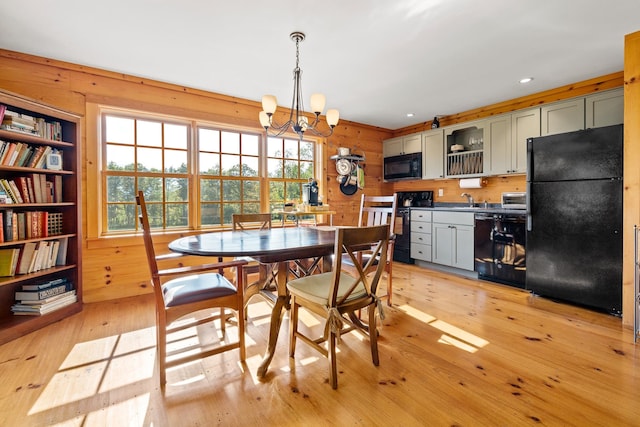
{"points": [[574, 217]]}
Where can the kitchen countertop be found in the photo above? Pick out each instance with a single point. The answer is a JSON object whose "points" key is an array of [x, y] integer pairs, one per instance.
{"points": [[460, 207]]}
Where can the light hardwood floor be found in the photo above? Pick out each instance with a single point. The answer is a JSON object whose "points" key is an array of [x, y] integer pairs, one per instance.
{"points": [[453, 352]]}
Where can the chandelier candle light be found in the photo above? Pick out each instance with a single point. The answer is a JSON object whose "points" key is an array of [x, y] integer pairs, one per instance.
{"points": [[297, 120]]}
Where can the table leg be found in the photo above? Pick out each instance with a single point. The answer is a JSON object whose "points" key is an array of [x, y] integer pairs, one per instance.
{"points": [[276, 318]]}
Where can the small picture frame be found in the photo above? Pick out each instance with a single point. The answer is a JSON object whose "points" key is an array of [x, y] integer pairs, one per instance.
{"points": [[54, 161]]}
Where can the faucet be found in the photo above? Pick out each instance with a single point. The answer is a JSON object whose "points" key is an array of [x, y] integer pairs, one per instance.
{"points": [[469, 198]]}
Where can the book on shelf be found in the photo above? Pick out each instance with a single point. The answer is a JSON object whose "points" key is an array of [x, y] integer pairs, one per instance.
{"points": [[3, 108], [43, 294], [15, 191], [21, 183], [54, 223], [61, 258], [44, 285], [24, 261], [8, 261], [48, 300], [7, 225], [21, 229], [41, 309]]}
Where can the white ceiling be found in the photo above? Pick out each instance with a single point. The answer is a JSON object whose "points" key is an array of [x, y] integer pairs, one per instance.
{"points": [[375, 60]]}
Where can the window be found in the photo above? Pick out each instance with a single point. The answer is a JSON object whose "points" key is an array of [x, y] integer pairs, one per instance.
{"points": [[194, 175]]}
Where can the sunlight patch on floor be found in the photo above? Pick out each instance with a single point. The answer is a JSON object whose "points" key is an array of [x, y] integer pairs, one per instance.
{"points": [[452, 334]]}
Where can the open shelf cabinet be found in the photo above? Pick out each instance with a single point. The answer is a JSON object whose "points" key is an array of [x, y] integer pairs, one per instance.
{"points": [[62, 202]]}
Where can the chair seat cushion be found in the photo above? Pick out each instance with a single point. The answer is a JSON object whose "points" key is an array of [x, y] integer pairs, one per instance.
{"points": [[196, 287], [315, 288]]}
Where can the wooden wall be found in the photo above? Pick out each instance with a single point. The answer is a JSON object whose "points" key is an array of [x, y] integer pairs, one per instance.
{"points": [[112, 266]]}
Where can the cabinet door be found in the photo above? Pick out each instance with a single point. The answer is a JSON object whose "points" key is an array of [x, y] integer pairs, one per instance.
{"points": [[563, 117], [433, 154], [605, 109], [498, 137], [392, 147], [412, 143], [462, 256], [524, 124], [442, 247]]}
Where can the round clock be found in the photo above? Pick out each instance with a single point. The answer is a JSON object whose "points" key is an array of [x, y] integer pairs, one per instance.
{"points": [[343, 166]]}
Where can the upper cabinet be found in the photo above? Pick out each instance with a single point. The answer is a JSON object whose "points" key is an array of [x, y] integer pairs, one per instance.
{"points": [[402, 145], [507, 141], [464, 144], [433, 154], [604, 109], [561, 117]]}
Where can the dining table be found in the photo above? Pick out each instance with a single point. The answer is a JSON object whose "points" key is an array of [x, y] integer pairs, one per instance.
{"points": [[272, 247]]}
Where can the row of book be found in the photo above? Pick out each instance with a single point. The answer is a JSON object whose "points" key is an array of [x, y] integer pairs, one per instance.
{"points": [[31, 188], [24, 225], [33, 256], [25, 155], [42, 298], [25, 123]]}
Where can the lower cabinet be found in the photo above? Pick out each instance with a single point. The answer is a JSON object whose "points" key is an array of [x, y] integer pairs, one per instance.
{"points": [[452, 239], [421, 235]]}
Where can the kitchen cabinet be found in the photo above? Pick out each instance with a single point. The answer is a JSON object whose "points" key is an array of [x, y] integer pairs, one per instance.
{"points": [[452, 239], [604, 109], [402, 145], [507, 141], [433, 154], [464, 145], [421, 235], [561, 117]]}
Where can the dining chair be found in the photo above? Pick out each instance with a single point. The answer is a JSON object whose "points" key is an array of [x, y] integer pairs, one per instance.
{"points": [[183, 291], [379, 210], [337, 295]]}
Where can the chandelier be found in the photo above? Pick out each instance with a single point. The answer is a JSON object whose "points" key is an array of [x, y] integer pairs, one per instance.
{"points": [[297, 119]]}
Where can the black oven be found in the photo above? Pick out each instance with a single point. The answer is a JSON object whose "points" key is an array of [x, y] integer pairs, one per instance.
{"points": [[406, 166], [500, 247]]}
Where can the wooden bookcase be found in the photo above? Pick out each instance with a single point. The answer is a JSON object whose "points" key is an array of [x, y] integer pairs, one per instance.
{"points": [[13, 326]]}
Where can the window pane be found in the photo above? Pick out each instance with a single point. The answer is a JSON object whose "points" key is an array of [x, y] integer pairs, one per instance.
{"points": [[177, 190], [120, 189], [119, 129], [175, 136], [249, 166], [276, 194], [250, 144], [210, 213], [121, 216], [274, 168], [230, 142], [231, 190], [290, 149], [251, 190], [209, 140], [210, 190], [274, 147], [152, 188], [306, 170], [230, 165], [294, 191], [306, 150], [120, 158], [175, 161], [154, 212], [149, 159], [291, 169], [149, 133], [251, 208], [177, 215], [228, 210], [209, 164]]}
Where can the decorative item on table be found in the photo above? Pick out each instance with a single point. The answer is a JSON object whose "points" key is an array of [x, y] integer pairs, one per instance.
{"points": [[289, 207]]}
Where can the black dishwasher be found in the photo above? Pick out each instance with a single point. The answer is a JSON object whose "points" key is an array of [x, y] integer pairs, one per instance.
{"points": [[499, 247]]}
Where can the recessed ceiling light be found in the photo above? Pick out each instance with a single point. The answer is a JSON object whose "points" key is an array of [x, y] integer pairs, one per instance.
{"points": [[526, 80], [410, 114]]}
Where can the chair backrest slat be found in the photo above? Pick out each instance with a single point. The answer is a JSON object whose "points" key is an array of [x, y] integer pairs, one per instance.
{"points": [[260, 221]]}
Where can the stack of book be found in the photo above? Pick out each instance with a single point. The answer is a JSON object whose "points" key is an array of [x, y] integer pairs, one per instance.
{"points": [[19, 122], [42, 298]]}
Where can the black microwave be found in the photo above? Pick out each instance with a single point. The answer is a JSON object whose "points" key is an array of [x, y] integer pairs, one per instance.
{"points": [[405, 166]]}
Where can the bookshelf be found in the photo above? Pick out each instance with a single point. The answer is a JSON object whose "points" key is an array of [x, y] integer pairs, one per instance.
{"points": [[59, 200]]}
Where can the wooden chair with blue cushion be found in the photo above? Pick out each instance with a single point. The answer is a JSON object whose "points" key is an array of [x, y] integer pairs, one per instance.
{"points": [[338, 295], [183, 291]]}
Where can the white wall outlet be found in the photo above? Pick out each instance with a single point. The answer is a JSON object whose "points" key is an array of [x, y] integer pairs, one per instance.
{"points": [[440, 192]]}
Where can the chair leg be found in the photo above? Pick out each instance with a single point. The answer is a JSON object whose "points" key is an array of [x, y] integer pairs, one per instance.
{"points": [[333, 366], [293, 326], [373, 335], [389, 283], [161, 338], [241, 328]]}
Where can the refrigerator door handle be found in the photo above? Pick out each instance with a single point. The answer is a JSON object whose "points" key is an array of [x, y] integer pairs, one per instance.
{"points": [[528, 199]]}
